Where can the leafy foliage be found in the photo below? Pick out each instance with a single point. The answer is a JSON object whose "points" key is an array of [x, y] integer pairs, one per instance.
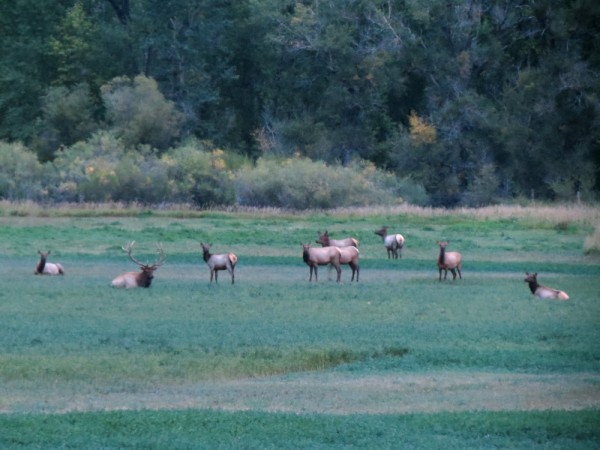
{"points": [[476, 101]]}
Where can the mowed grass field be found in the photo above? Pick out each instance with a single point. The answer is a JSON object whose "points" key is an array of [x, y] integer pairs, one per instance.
{"points": [[398, 360]]}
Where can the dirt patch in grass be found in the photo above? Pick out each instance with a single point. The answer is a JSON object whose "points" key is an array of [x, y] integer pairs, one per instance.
{"points": [[342, 394]]}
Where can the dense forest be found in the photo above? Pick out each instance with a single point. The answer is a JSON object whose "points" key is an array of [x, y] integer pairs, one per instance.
{"points": [[439, 102]]}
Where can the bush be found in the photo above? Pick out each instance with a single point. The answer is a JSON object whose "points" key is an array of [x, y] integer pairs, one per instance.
{"points": [[101, 169], [21, 174], [200, 176], [300, 183]]}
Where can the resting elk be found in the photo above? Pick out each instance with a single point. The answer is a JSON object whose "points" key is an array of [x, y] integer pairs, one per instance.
{"points": [[449, 261], [47, 268], [348, 255], [314, 257], [138, 279], [542, 291], [392, 242], [346, 242], [224, 261]]}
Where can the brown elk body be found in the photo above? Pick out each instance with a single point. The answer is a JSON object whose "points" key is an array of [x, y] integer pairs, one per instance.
{"points": [[144, 277], [315, 257], [449, 261], [348, 255], [346, 242], [543, 291], [393, 243], [44, 267], [224, 261]]}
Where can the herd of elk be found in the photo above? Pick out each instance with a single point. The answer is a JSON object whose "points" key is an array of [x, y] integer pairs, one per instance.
{"points": [[448, 261], [333, 252], [392, 242], [44, 267], [138, 279], [223, 261], [542, 291], [348, 252]]}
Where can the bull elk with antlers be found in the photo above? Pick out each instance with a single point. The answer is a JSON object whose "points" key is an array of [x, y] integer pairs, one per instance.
{"points": [[142, 278]]}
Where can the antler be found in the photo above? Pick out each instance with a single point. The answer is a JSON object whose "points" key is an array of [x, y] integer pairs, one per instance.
{"points": [[159, 262], [161, 256], [127, 249]]}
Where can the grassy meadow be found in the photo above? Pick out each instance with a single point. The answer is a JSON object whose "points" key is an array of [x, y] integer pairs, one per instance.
{"points": [[396, 360]]}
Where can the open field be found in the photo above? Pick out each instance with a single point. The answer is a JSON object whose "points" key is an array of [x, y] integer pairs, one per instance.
{"points": [[274, 361]]}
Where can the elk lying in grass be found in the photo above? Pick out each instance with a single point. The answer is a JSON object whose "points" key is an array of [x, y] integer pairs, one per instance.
{"points": [[47, 268], [348, 255], [138, 279], [224, 261], [542, 291], [449, 261], [325, 241], [392, 242], [314, 257]]}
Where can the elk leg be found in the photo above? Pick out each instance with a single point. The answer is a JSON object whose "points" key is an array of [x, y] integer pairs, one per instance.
{"points": [[459, 273], [453, 274]]}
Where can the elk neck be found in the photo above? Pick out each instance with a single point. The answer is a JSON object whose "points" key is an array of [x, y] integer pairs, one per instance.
{"points": [[41, 265], [442, 256], [533, 286], [144, 278]]}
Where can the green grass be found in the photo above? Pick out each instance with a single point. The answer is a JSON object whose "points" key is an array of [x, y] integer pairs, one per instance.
{"points": [[209, 429], [71, 342]]}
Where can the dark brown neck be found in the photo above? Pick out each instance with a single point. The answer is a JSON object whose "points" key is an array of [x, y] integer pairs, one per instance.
{"points": [[41, 265], [533, 285], [442, 255], [206, 255], [144, 278], [305, 256]]}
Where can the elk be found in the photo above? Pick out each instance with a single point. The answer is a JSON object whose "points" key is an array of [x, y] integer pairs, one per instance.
{"points": [[348, 255], [44, 267], [347, 242], [449, 261], [314, 257], [215, 263], [543, 291], [138, 279], [392, 242]]}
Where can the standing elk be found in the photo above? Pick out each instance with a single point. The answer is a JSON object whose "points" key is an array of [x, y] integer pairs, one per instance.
{"points": [[449, 261], [138, 279], [346, 242], [392, 242], [218, 262], [44, 267], [348, 255], [543, 291], [314, 257]]}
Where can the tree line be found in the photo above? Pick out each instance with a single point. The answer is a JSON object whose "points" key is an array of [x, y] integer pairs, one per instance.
{"points": [[463, 102]]}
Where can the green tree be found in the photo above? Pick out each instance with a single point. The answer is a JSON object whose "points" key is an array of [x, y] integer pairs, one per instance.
{"points": [[139, 113]]}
